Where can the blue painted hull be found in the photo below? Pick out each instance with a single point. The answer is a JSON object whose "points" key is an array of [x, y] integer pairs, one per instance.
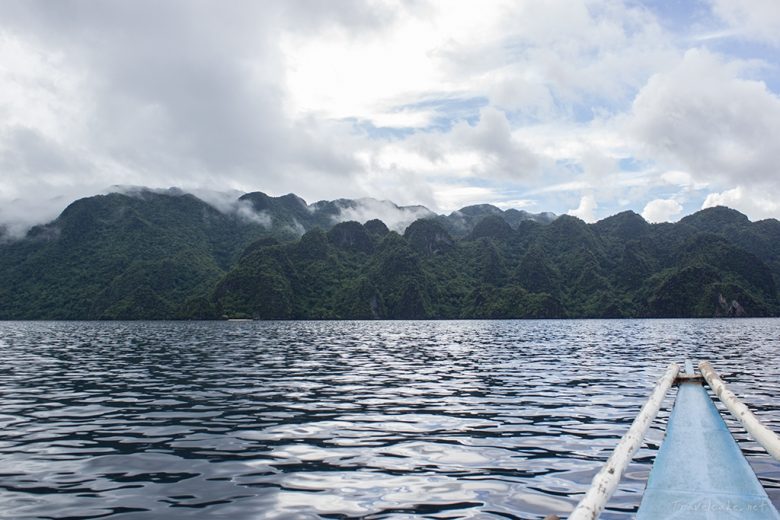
{"points": [[700, 472]]}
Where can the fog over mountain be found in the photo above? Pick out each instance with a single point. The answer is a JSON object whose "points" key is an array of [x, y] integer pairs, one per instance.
{"points": [[299, 215]]}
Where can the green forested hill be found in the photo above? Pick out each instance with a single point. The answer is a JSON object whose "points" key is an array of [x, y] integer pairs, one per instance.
{"points": [[619, 267], [170, 255], [119, 256]]}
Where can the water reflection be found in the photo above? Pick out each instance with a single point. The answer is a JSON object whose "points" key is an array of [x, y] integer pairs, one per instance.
{"points": [[346, 419]]}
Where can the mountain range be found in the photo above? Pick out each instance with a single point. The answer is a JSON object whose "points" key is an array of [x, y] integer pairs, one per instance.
{"points": [[147, 254]]}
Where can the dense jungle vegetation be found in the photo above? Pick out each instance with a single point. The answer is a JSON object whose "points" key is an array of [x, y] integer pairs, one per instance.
{"points": [[170, 255]]}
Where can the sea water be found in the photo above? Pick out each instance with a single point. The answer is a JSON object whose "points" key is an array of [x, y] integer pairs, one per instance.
{"points": [[404, 419]]}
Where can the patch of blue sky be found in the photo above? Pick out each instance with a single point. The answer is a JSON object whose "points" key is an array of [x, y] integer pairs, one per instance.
{"points": [[636, 199], [736, 46], [691, 205], [448, 104], [631, 164], [446, 112], [678, 16], [583, 112], [519, 118], [570, 166], [483, 182], [445, 122], [387, 133], [694, 25]]}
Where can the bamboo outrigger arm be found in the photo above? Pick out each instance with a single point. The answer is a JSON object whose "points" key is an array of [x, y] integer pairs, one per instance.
{"points": [[606, 481], [763, 435]]}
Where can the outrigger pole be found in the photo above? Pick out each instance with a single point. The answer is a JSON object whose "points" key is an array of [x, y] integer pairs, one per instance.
{"points": [[605, 482], [699, 471], [763, 435]]}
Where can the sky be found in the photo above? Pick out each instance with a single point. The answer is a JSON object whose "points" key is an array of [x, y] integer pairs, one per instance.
{"points": [[586, 107]]}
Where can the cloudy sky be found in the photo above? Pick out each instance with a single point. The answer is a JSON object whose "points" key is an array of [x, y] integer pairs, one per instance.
{"points": [[584, 107]]}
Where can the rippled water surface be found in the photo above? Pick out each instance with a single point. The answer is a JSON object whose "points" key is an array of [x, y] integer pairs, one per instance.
{"points": [[484, 419]]}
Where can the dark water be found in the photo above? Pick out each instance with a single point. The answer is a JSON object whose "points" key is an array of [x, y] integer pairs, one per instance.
{"points": [[346, 419]]}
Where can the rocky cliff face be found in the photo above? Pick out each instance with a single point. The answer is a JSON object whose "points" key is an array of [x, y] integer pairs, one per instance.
{"points": [[428, 237], [725, 309]]}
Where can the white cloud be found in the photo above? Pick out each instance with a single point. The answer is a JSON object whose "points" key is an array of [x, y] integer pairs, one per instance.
{"points": [[524, 204], [173, 95], [751, 19], [394, 217], [486, 150], [562, 187], [496, 100], [705, 118], [245, 211], [19, 215], [756, 204], [523, 55], [662, 210], [450, 198], [341, 73], [499, 153], [586, 210], [677, 178]]}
